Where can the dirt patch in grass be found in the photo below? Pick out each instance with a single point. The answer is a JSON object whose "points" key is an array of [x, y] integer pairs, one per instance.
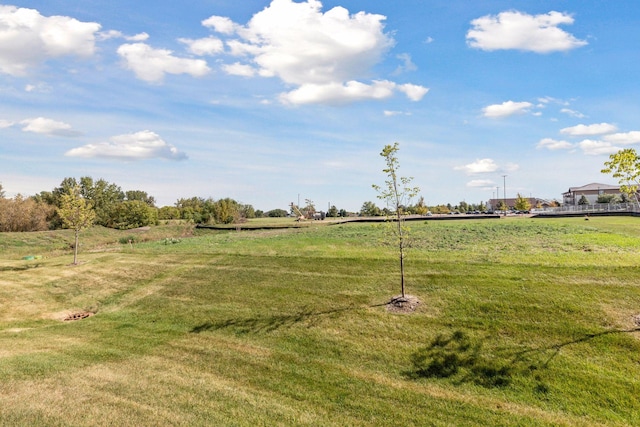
{"points": [[403, 304], [77, 316]]}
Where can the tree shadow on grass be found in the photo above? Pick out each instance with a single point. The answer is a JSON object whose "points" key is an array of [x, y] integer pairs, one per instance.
{"points": [[461, 358], [270, 323], [24, 267], [554, 349]]}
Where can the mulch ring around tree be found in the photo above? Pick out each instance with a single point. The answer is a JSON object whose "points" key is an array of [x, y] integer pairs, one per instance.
{"points": [[77, 316], [403, 304]]}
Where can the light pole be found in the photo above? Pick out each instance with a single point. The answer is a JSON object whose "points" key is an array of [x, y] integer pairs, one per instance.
{"points": [[497, 197], [504, 193]]}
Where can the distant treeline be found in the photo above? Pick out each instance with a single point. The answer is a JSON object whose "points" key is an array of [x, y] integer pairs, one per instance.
{"points": [[118, 209]]}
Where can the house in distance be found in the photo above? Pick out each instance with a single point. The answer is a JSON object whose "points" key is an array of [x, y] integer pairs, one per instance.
{"points": [[591, 192]]}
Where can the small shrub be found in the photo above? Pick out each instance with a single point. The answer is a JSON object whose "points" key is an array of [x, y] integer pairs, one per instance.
{"points": [[127, 239]]}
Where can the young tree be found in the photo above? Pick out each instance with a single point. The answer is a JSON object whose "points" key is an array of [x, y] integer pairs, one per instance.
{"points": [[77, 214], [396, 193], [370, 209], [583, 200], [421, 208], [522, 203], [625, 165]]}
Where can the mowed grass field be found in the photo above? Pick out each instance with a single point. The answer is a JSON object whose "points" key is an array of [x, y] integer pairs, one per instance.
{"points": [[522, 322]]}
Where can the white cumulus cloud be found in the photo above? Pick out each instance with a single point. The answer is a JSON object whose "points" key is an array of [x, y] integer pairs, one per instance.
{"points": [[325, 55], [151, 64], [221, 24], [572, 113], [239, 69], [28, 39], [506, 109], [624, 138], [587, 130], [6, 124], [517, 30], [413, 92], [553, 144], [478, 167], [205, 46], [338, 93], [49, 127], [594, 147], [135, 146], [480, 183]]}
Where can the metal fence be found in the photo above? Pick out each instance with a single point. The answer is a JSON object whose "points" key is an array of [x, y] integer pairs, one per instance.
{"points": [[587, 209]]}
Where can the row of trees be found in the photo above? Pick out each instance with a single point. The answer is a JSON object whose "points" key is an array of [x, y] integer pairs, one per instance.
{"points": [[369, 208], [112, 207]]}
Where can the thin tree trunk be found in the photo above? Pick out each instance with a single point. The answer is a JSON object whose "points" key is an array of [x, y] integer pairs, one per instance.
{"points": [[402, 271], [75, 249], [401, 247]]}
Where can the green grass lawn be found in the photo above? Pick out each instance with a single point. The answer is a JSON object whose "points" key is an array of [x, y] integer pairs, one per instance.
{"points": [[522, 322]]}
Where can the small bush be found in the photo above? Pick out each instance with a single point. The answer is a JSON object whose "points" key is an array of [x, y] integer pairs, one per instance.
{"points": [[128, 239]]}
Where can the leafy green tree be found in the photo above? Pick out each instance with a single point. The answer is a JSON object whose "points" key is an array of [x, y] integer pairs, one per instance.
{"points": [[370, 209], [141, 196], [343, 213], [77, 214], [168, 212], [396, 193], [226, 211], [247, 211], [522, 203], [583, 200], [625, 165], [440, 209], [132, 214], [104, 196], [276, 213], [607, 198], [195, 209], [332, 212]]}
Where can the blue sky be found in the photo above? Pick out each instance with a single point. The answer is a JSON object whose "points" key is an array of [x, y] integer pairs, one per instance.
{"points": [[271, 102]]}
